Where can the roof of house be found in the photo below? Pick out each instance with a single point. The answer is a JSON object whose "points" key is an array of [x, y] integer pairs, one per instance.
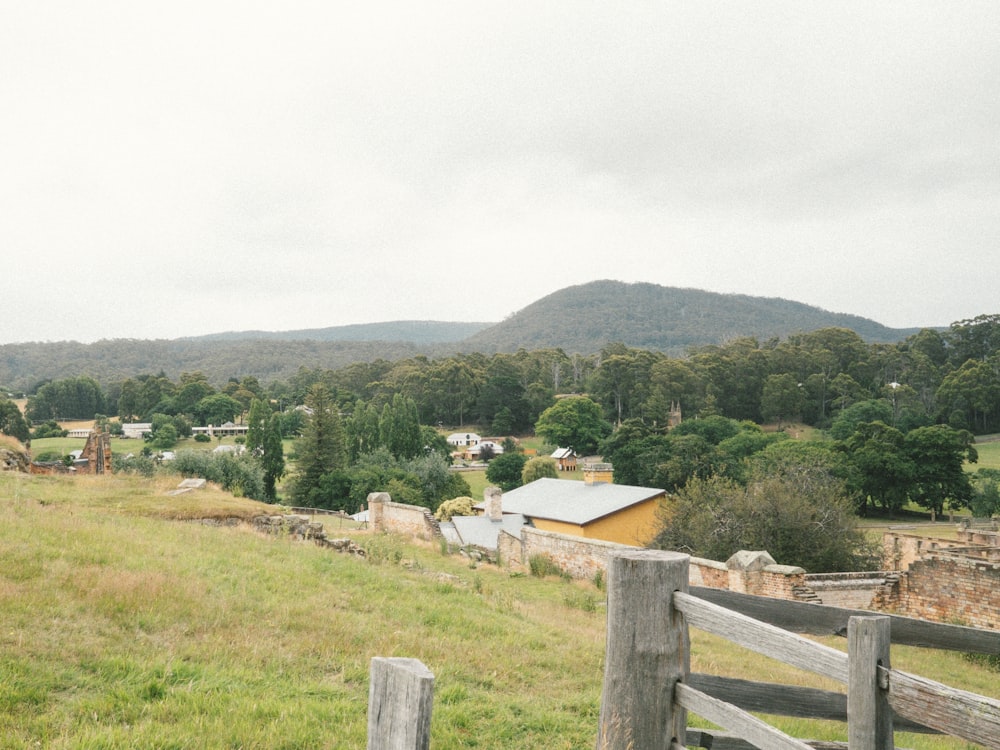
{"points": [[563, 453], [462, 437], [482, 532], [574, 502]]}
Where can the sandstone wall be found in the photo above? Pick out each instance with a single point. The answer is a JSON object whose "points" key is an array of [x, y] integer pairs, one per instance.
{"points": [[399, 518]]}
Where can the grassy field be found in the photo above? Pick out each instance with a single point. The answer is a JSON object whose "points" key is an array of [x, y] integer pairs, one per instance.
{"points": [[989, 453], [124, 627]]}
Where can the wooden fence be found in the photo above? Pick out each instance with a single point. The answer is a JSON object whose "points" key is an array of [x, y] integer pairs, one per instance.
{"points": [[649, 688]]}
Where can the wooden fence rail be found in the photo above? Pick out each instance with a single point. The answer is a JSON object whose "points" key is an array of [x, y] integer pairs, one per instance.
{"points": [[648, 687]]}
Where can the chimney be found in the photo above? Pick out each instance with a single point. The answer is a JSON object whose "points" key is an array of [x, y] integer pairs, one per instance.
{"points": [[494, 503], [598, 474]]}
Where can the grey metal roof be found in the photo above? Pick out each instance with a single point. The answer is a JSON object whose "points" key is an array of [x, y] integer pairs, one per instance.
{"points": [[482, 532], [573, 501]]}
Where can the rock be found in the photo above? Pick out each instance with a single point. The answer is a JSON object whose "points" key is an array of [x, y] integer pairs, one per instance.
{"points": [[14, 460]]}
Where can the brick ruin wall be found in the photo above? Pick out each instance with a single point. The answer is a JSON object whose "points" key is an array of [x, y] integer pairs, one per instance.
{"points": [[951, 588]]}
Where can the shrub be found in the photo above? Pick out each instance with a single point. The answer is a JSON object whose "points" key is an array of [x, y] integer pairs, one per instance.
{"points": [[543, 565], [201, 437], [800, 517], [240, 475], [458, 506], [143, 466], [505, 471], [538, 468]]}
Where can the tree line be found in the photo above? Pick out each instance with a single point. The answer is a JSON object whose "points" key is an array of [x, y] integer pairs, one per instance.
{"points": [[933, 377]]}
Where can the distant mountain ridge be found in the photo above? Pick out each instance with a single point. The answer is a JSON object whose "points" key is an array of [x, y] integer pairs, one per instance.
{"points": [[411, 331], [584, 318], [578, 319]]}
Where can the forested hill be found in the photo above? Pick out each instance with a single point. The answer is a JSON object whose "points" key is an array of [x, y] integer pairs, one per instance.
{"points": [[586, 317], [410, 331], [580, 319]]}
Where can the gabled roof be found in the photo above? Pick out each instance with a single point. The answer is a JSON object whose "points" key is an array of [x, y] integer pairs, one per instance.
{"points": [[562, 453], [574, 502]]}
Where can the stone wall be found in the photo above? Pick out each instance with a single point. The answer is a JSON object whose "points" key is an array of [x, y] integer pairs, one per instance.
{"points": [[900, 550], [399, 518], [301, 528], [577, 556], [952, 588], [865, 590], [746, 572]]}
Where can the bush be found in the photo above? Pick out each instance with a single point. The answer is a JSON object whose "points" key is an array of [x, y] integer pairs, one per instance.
{"points": [[47, 457], [141, 465], [505, 471], [458, 506], [540, 467], [201, 437], [48, 429], [240, 475], [803, 518], [543, 565]]}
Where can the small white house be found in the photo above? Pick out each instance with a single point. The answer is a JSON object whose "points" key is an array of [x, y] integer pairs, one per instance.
{"points": [[136, 430], [464, 439]]}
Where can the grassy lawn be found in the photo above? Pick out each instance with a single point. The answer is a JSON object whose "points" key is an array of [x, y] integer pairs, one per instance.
{"points": [[123, 628], [989, 453]]}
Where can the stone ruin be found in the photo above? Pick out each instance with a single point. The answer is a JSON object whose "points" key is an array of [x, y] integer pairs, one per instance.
{"points": [[300, 528]]}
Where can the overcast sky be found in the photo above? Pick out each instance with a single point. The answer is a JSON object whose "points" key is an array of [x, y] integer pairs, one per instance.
{"points": [[181, 168]]}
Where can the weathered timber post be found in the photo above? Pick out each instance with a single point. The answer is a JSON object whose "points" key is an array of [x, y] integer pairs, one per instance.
{"points": [[647, 651], [400, 698], [869, 717]]}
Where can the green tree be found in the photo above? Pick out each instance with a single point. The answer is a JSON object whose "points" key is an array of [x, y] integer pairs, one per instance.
{"points": [[322, 447], [884, 467], [505, 471], [165, 437], [782, 398], [801, 516], [938, 454], [272, 459], [539, 467], [399, 427], [847, 421], [575, 422], [217, 409], [70, 398], [12, 422], [257, 422]]}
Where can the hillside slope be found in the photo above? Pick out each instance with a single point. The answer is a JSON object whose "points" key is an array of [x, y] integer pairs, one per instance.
{"points": [[586, 317], [409, 331], [578, 319]]}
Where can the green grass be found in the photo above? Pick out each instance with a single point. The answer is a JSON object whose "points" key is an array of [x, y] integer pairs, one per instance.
{"points": [[122, 627], [989, 455]]}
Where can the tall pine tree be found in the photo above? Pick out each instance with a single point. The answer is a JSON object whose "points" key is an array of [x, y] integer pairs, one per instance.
{"points": [[272, 457], [322, 447]]}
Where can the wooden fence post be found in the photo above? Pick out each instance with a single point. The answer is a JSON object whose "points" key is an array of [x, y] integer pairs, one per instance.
{"points": [[869, 717], [400, 698], [647, 651]]}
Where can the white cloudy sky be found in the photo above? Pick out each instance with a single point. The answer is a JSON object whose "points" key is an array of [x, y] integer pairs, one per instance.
{"points": [[179, 168]]}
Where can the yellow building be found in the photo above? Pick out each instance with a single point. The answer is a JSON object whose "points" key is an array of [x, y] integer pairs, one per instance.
{"points": [[594, 508]]}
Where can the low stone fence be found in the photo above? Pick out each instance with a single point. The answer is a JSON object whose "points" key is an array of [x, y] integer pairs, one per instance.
{"points": [[302, 528], [577, 556]]}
